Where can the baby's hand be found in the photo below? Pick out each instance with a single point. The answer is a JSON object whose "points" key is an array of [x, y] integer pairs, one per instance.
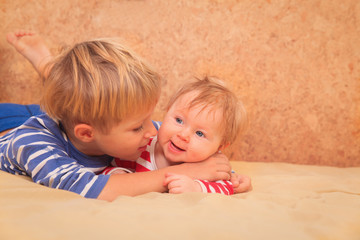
{"points": [[177, 183], [241, 183]]}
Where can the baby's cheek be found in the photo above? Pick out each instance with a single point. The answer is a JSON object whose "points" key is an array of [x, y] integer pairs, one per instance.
{"points": [[196, 156]]}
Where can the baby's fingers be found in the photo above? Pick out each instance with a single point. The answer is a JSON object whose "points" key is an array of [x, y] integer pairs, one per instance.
{"points": [[169, 177], [245, 184]]}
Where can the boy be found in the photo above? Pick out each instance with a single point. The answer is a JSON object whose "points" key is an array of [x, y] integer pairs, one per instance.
{"points": [[98, 97], [202, 118]]}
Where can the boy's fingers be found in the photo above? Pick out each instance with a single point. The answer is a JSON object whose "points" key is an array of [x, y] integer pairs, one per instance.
{"points": [[225, 169], [223, 175]]}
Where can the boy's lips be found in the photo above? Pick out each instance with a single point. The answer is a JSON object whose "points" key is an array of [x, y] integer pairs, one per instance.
{"points": [[143, 148]]}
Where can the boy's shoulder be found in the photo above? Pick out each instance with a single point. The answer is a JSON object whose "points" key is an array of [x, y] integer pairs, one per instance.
{"points": [[39, 127], [40, 123]]}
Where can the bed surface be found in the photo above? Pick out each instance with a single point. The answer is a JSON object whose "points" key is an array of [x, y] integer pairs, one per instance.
{"points": [[288, 202]]}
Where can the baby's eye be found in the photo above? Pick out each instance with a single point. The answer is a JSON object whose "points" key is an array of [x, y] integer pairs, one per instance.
{"points": [[200, 134], [138, 129], [179, 120]]}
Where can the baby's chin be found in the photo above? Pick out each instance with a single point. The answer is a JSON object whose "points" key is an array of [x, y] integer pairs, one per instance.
{"points": [[174, 161]]}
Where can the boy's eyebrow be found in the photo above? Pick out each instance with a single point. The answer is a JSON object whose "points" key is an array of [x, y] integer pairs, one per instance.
{"points": [[136, 124], [141, 121]]}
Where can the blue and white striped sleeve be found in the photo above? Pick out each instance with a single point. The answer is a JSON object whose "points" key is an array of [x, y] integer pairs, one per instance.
{"points": [[48, 164], [157, 124]]}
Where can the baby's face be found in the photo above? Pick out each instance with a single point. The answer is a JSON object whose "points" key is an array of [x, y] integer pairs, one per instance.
{"points": [[190, 135]]}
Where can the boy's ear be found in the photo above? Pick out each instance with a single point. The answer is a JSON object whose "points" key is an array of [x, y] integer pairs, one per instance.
{"points": [[84, 132]]}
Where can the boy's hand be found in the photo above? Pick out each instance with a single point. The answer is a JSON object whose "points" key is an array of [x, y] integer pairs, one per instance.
{"points": [[241, 183], [177, 183], [217, 167]]}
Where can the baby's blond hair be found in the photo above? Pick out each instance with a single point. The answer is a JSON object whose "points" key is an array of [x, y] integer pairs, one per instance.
{"points": [[98, 82], [212, 93]]}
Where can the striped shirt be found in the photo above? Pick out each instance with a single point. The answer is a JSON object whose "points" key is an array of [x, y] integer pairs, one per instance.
{"points": [[41, 150], [146, 162]]}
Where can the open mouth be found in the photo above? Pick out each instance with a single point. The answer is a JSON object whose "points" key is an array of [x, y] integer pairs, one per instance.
{"points": [[175, 147]]}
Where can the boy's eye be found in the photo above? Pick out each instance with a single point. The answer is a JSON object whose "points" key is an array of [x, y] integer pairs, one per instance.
{"points": [[178, 120], [138, 129], [200, 134]]}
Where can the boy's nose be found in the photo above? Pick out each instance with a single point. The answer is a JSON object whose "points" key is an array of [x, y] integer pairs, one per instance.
{"points": [[150, 130]]}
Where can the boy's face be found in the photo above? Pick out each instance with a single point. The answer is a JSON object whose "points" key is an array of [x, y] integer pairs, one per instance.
{"points": [[190, 135], [129, 138]]}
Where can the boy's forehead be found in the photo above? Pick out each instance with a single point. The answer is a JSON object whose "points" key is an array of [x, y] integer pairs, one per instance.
{"points": [[140, 114]]}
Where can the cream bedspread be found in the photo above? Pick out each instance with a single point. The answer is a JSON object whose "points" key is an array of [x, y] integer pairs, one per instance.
{"points": [[288, 202]]}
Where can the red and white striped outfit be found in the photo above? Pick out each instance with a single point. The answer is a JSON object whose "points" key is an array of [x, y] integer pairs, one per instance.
{"points": [[146, 162]]}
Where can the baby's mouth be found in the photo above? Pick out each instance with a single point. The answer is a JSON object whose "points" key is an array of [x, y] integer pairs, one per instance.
{"points": [[176, 147]]}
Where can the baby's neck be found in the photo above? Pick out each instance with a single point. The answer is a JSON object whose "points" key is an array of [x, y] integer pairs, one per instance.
{"points": [[160, 160]]}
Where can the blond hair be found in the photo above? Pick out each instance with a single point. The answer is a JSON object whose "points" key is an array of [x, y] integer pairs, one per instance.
{"points": [[212, 93], [98, 82]]}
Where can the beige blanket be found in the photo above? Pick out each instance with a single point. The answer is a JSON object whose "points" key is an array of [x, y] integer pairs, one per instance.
{"points": [[288, 202]]}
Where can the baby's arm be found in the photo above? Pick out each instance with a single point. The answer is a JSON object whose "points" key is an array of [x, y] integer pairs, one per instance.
{"points": [[180, 184]]}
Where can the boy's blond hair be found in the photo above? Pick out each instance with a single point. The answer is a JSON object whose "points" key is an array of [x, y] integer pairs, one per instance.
{"points": [[212, 93], [98, 82]]}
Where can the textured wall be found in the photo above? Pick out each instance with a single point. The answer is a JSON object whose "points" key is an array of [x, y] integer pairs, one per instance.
{"points": [[295, 64]]}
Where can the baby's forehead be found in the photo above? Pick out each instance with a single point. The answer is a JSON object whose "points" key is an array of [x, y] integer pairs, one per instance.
{"points": [[192, 99], [199, 109]]}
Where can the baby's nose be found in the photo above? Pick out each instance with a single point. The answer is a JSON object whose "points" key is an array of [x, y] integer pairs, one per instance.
{"points": [[184, 135]]}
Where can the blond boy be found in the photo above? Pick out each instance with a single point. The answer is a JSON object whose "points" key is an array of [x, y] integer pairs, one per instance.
{"points": [[98, 98]]}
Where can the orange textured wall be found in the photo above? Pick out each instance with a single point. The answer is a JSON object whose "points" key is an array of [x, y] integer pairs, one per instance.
{"points": [[295, 64]]}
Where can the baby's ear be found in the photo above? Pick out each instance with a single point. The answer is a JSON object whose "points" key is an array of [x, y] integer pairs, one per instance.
{"points": [[223, 146], [84, 132]]}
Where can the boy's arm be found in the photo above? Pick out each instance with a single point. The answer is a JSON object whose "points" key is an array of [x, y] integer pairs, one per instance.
{"points": [[153, 181], [132, 184]]}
